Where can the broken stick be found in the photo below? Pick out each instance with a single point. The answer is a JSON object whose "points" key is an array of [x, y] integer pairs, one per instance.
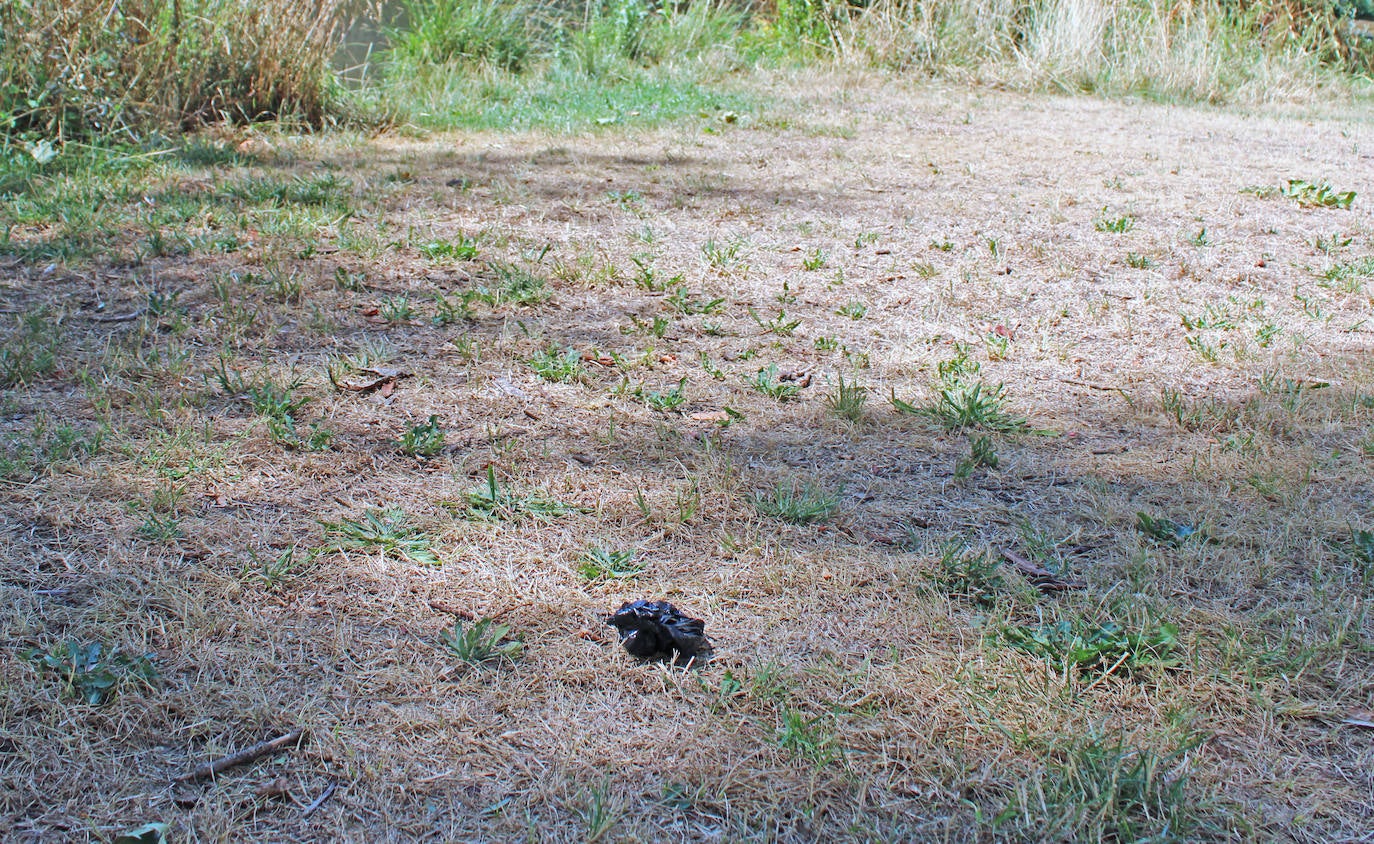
{"points": [[243, 757]]}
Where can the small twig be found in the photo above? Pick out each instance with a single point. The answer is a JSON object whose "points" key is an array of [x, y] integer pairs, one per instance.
{"points": [[119, 317], [319, 801], [1043, 578], [243, 757]]}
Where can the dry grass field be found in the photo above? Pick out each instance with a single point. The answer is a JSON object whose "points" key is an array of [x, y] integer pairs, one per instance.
{"points": [[286, 418]]}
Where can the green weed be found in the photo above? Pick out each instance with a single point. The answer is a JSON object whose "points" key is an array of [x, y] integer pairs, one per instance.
{"points": [[553, 365], [799, 504], [1317, 195], [482, 642], [1097, 647], [598, 563], [779, 325], [424, 440], [847, 400], [813, 260], [274, 572], [387, 531], [493, 502], [766, 381], [982, 454], [1114, 225], [853, 310], [87, 671]]}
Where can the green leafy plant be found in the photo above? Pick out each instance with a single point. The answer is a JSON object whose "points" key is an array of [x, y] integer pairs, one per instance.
{"points": [[813, 260], [1165, 530], [668, 400], [1137, 261], [31, 350], [554, 365], [853, 310], [425, 440], [396, 309], [598, 563], [1100, 788], [800, 504], [481, 642], [721, 255], [1114, 225], [461, 248], [682, 302], [779, 325], [86, 670], [810, 738], [387, 531], [274, 572], [1320, 194], [1097, 647], [766, 381], [283, 431]]}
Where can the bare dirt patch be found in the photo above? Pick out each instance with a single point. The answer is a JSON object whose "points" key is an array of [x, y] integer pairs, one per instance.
{"points": [[1181, 340]]}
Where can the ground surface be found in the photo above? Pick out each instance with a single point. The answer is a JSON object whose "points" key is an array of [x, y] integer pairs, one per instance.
{"points": [[1183, 341]]}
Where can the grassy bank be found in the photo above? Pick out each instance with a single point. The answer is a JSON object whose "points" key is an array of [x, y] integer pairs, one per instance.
{"points": [[86, 68]]}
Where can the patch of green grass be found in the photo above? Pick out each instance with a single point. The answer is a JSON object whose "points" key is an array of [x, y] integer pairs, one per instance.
{"points": [[811, 738], [44, 445], [1348, 276], [598, 563], [29, 349], [460, 248], [284, 432], [1137, 261], [559, 366], [89, 671], [424, 440], [481, 642], [1098, 788], [798, 503], [274, 572], [684, 304], [722, 256], [973, 576], [813, 260], [559, 99], [667, 400], [1082, 644], [847, 400], [388, 531]]}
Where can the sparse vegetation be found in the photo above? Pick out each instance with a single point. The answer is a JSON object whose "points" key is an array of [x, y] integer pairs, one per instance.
{"points": [[271, 399]]}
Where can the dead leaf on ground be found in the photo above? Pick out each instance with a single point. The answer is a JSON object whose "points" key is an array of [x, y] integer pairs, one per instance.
{"points": [[710, 416]]}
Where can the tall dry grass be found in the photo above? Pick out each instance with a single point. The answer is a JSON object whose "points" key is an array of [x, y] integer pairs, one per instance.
{"points": [[1187, 49], [81, 67]]}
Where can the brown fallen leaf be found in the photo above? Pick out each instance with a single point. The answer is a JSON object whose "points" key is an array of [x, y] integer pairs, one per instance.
{"points": [[387, 388], [710, 416]]}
